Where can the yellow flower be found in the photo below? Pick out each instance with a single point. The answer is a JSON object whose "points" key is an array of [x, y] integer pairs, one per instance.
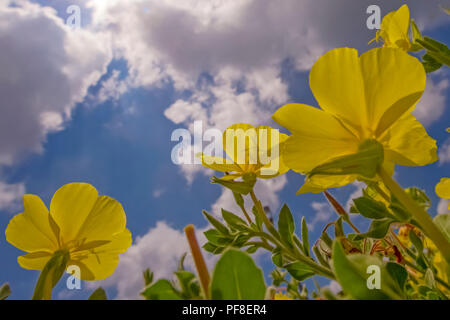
{"points": [[394, 29], [90, 228], [252, 150], [362, 98], [443, 189], [280, 296]]}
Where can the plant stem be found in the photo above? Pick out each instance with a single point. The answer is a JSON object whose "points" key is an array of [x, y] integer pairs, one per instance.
{"points": [[295, 254], [200, 264], [420, 215]]}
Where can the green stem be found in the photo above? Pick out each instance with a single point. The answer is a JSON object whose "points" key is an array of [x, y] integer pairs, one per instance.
{"points": [[420, 215], [295, 254], [50, 275]]}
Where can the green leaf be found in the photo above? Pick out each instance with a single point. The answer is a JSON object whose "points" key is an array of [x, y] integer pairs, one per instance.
{"points": [[148, 276], [299, 271], [160, 290], [241, 187], [50, 275], [352, 274], [305, 237], [430, 64], [286, 226], [188, 283], [216, 223], [370, 208], [217, 238], [398, 273], [5, 291], [415, 240], [442, 221], [239, 199], [236, 277], [364, 163], [233, 221], [339, 228], [419, 196], [98, 294], [378, 229], [277, 257]]}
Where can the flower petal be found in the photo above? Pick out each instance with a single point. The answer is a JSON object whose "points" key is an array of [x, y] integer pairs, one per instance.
{"points": [[337, 84], [219, 164], [320, 183], [238, 140], [443, 188], [30, 231], [303, 119], [408, 144], [70, 206], [106, 219], [34, 260], [390, 77], [102, 263], [302, 153]]}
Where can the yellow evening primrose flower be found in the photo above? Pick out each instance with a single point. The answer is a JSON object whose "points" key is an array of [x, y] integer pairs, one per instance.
{"points": [[394, 29], [443, 189], [251, 150], [90, 228], [281, 296], [361, 99]]}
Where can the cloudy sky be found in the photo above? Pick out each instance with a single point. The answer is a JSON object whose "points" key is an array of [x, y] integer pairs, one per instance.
{"points": [[99, 103]]}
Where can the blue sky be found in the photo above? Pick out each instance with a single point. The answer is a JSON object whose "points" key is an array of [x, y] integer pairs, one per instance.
{"points": [[121, 145]]}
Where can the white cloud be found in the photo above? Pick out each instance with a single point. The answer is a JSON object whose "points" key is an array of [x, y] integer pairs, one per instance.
{"points": [[323, 214], [442, 206], [240, 45], [444, 153], [160, 250], [432, 104], [46, 69], [11, 195]]}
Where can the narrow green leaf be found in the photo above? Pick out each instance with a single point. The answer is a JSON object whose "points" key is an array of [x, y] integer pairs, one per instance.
{"points": [[370, 208], [398, 273], [355, 272], [286, 226], [240, 187], [378, 229], [160, 290], [98, 294], [233, 221], [216, 223], [305, 237], [148, 276], [5, 291], [417, 243], [299, 271], [236, 277]]}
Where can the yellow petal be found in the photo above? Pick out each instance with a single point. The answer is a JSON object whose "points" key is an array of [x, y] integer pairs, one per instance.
{"points": [[270, 149], [70, 206], [219, 164], [395, 28], [102, 263], [106, 219], [34, 260], [393, 81], [443, 188], [306, 120], [337, 84], [30, 231], [408, 144], [320, 183], [240, 143], [302, 153]]}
